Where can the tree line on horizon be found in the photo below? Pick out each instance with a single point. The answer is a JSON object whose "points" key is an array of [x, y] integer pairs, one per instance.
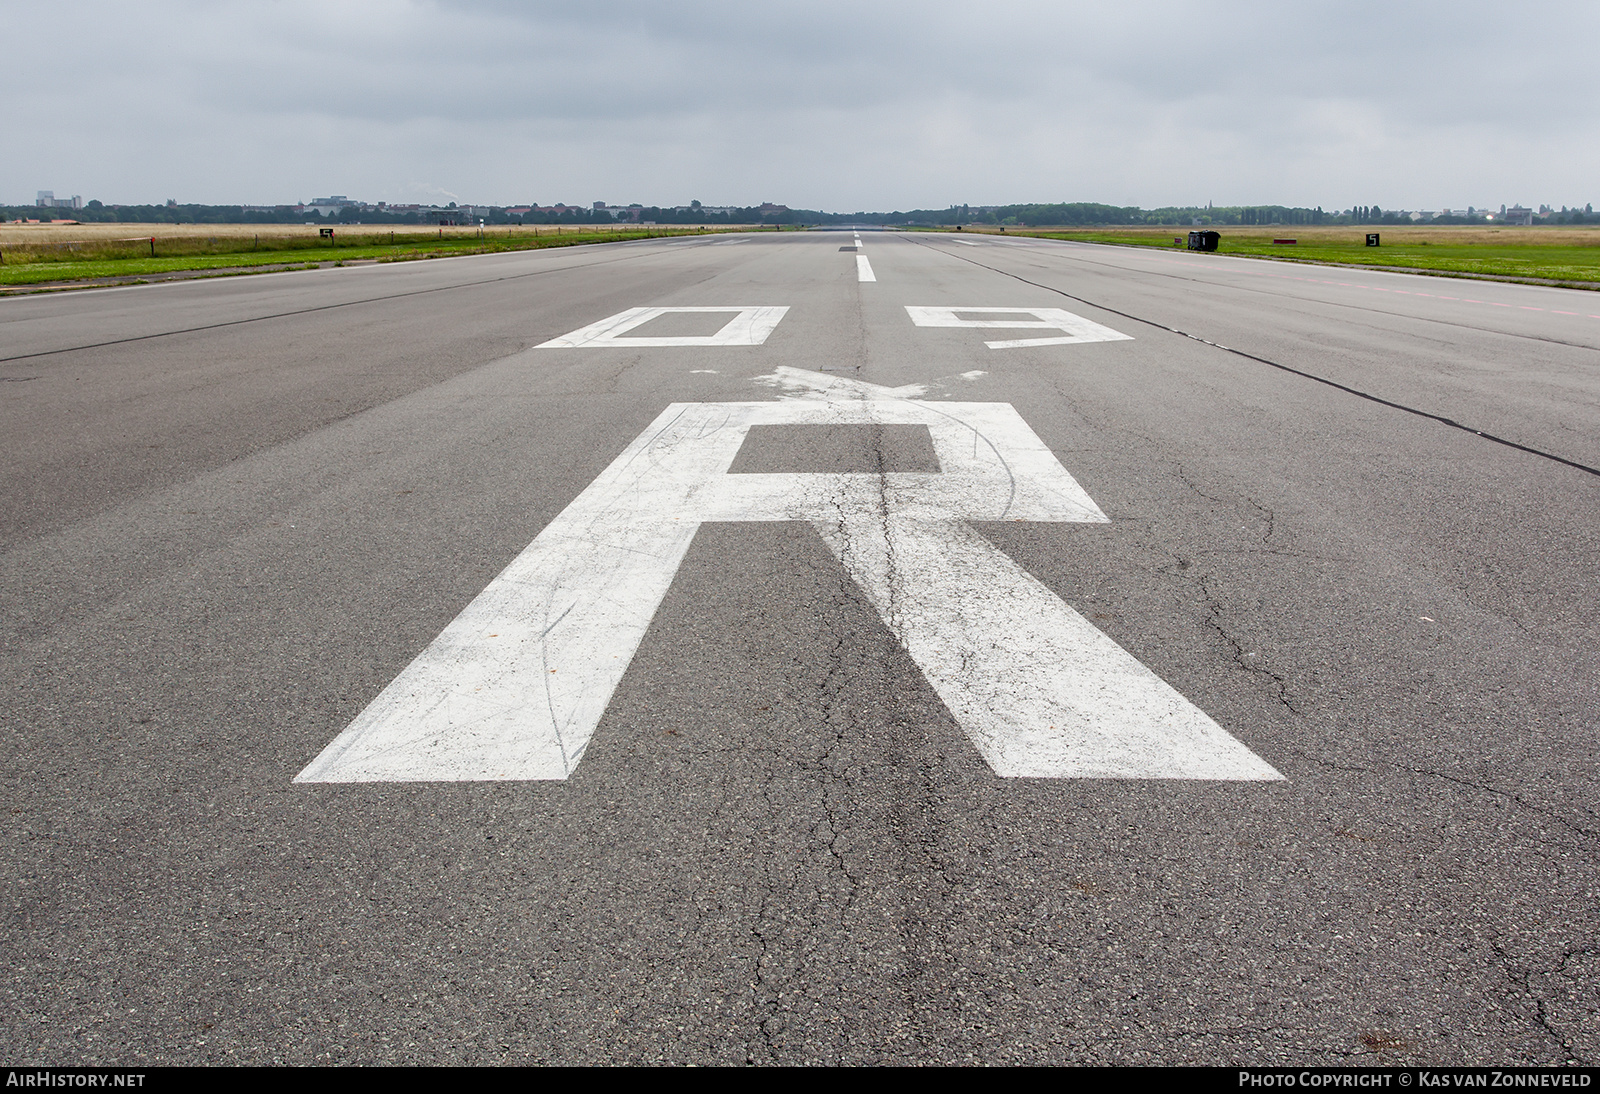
{"points": [[1066, 214]]}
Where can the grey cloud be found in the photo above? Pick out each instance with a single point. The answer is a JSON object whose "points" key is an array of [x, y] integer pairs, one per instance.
{"points": [[824, 103]]}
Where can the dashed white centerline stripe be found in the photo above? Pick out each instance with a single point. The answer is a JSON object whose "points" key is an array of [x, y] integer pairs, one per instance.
{"points": [[864, 269]]}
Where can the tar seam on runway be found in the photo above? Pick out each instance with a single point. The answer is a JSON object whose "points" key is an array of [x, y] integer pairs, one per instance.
{"points": [[308, 311], [1451, 422]]}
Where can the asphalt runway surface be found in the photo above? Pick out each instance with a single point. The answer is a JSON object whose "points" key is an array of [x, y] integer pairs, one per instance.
{"points": [[1345, 522]]}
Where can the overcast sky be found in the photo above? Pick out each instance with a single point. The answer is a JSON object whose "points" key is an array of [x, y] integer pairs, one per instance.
{"points": [[842, 106]]}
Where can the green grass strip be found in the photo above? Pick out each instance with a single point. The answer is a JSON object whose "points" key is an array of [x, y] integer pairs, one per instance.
{"points": [[1577, 266], [23, 268]]}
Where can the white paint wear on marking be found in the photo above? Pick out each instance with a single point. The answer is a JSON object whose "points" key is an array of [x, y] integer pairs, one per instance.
{"points": [[1077, 329], [747, 327], [514, 687]]}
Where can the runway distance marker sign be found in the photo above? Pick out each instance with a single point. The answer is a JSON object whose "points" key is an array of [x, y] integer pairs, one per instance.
{"points": [[515, 686], [1076, 329]]}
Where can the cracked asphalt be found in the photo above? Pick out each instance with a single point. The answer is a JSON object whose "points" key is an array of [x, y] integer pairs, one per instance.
{"points": [[1353, 517]]}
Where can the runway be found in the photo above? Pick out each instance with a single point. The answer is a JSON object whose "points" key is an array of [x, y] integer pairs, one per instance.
{"points": [[791, 648]]}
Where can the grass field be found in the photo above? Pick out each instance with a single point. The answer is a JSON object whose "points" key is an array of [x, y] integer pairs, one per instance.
{"points": [[38, 254], [1568, 255]]}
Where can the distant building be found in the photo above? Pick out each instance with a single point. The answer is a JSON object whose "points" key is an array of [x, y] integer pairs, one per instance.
{"points": [[619, 212], [1517, 215], [329, 206], [47, 200], [559, 208]]}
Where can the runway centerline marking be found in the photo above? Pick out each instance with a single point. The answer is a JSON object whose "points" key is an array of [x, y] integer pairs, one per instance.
{"points": [[749, 326], [1038, 689], [864, 269], [1076, 329]]}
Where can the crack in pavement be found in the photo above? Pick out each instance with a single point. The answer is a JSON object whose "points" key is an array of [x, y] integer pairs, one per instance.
{"points": [[1521, 977], [1213, 620], [1571, 826]]}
